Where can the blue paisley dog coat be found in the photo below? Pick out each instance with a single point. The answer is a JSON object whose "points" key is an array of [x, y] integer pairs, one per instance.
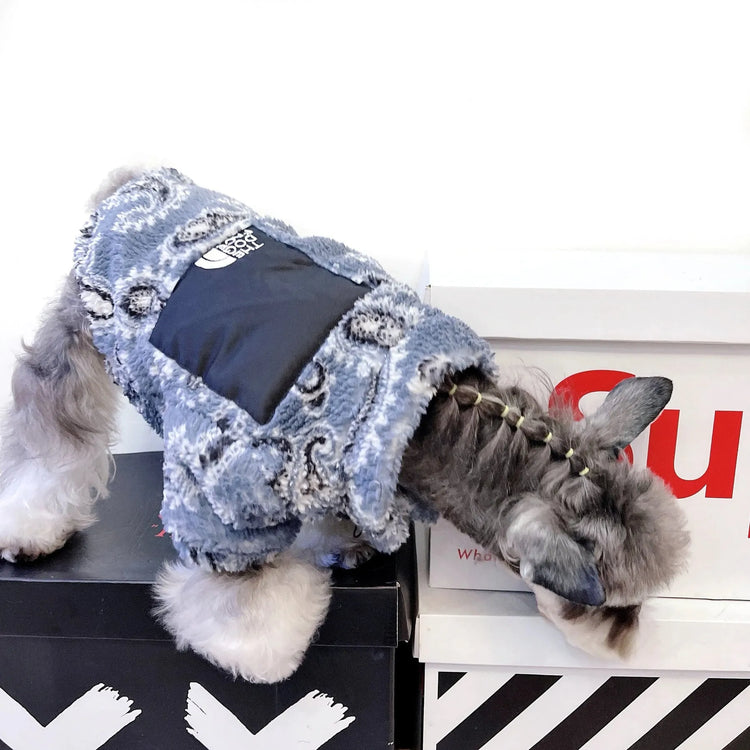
{"points": [[285, 374]]}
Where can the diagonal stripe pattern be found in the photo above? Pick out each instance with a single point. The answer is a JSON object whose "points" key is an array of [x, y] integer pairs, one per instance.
{"points": [[515, 696], [685, 719], [488, 709], [597, 711]]}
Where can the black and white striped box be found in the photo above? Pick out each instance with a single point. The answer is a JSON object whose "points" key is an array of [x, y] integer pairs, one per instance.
{"points": [[498, 709]]}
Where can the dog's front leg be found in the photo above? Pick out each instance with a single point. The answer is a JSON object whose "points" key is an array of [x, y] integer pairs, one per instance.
{"points": [[256, 625], [55, 458]]}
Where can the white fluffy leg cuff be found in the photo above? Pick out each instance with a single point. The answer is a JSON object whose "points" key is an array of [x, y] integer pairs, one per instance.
{"points": [[257, 625], [41, 508]]}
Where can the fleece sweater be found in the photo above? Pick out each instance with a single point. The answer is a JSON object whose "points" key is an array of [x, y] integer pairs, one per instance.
{"points": [[286, 374]]}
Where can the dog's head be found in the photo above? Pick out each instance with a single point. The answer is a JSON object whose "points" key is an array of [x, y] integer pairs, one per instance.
{"points": [[598, 535]]}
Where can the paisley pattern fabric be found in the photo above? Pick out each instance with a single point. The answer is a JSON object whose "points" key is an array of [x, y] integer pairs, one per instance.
{"points": [[235, 491]]}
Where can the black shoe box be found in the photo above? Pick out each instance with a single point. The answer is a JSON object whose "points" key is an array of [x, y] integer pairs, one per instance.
{"points": [[81, 618]]}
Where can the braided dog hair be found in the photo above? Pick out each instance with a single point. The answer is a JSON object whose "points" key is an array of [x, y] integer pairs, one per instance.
{"points": [[551, 496]]}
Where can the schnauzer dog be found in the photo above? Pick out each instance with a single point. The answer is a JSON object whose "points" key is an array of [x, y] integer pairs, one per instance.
{"points": [[302, 393]]}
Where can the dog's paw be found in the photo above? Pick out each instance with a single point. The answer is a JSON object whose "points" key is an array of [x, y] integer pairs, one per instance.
{"points": [[40, 510], [256, 625], [347, 559], [332, 543], [356, 556], [15, 550], [16, 554], [26, 536]]}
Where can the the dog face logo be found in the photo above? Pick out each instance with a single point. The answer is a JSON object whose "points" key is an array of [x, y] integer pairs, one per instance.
{"points": [[232, 249]]}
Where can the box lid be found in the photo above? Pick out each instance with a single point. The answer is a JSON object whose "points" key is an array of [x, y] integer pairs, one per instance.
{"points": [[504, 628], [98, 585], [600, 296]]}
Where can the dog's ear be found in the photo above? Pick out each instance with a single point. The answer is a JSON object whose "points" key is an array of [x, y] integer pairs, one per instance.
{"points": [[550, 557], [575, 579], [628, 409]]}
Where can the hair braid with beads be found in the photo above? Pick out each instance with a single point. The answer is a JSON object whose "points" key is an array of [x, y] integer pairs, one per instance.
{"points": [[489, 443]]}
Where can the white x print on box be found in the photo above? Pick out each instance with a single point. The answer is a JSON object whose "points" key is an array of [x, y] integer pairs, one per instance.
{"points": [[86, 724], [98, 715]]}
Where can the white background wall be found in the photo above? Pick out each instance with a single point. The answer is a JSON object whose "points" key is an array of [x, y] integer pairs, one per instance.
{"points": [[459, 131]]}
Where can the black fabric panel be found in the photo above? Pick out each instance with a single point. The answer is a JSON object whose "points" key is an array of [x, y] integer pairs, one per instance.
{"points": [[248, 328], [613, 697], [512, 699], [690, 715]]}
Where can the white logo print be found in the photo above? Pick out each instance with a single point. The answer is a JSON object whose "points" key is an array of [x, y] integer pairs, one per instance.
{"points": [[309, 723], [232, 249], [86, 724], [98, 715]]}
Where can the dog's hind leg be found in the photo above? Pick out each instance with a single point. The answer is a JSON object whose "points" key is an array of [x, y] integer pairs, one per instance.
{"points": [[256, 625], [54, 459]]}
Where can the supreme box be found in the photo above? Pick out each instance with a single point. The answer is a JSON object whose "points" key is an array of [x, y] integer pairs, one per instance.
{"points": [[84, 665], [588, 320]]}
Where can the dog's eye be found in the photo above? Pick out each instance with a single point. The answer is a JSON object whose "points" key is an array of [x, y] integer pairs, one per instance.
{"points": [[587, 544]]}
